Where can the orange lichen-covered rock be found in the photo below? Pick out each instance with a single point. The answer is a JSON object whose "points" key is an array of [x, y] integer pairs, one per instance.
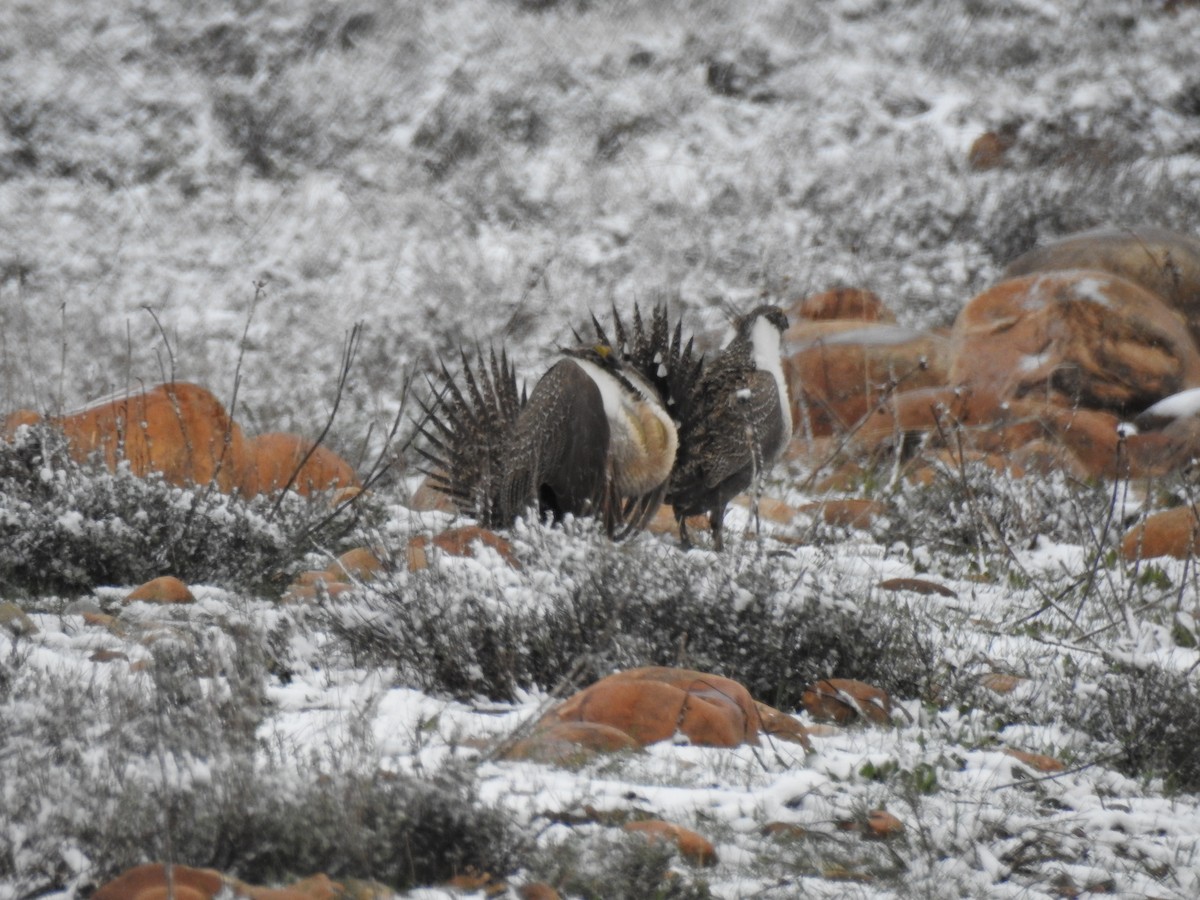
{"points": [[427, 498], [989, 150], [852, 512], [1172, 532], [1038, 761], [1099, 340], [653, 704], [165, 589], [841, 303], [154, 881], [917, 586], [571, 743], [538, 890], [458, 542], [838, 370], [882, 825], [693, 847], [844, 700], [277, 460], [778, 724], [1001, 682], [179, 429], [358, 563], [15, 420], [1165, 262], [940, 411]]}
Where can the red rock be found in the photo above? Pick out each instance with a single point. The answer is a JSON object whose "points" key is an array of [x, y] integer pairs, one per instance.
{"points": [[571, 743], [916, 585], [1000, 682], [842, 303], [942, 463], [103, 655], [1164, 262], [693, 847], [1173, 532], [653, 704], [276, 460], [427, 498], [1036, 761], [1099, 340], [150, 882], [989, 151], [784, 830], [180, 430], [851, 513], [538, 890], [882, 825], [101, 620], [663, 522], [165, 589], [941, 411], [1045, 456], [769, 508], [879, 825], [780, 725], [358, 564], [15, 420], [837, 371], [458, 542], [16, 620], [1092, 436], [844, 700], [316, 591]]}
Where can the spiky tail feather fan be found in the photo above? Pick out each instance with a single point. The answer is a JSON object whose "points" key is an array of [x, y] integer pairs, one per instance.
{"points": [[466, 429], [659, 355]]}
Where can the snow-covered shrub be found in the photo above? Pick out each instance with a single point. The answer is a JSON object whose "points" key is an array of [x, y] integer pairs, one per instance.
{"points": [[974, 511], [69, 527], [169, 764], [625, 867], [1146, 719], [583, 606]]}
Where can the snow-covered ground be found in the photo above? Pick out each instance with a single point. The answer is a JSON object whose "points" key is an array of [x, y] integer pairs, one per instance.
{"points": [[218, 193]]}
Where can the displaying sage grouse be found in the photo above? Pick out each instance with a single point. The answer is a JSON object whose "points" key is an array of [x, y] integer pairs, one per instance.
{"points": [[592, 439], [734, 422]]}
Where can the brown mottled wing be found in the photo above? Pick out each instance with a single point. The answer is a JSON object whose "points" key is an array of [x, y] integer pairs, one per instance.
{"points": [[557, 453], [731, 437]]}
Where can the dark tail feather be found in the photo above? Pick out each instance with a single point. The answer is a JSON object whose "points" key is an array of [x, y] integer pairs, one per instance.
{"points": [[465, 429]]}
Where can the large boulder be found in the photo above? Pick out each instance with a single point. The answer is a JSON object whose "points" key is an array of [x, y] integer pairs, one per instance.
{"points": [[837, 371], [154, 881], [278, 460], [1090, 337], [1164, 262], [178, 429], [655, 703], [841, 303]]}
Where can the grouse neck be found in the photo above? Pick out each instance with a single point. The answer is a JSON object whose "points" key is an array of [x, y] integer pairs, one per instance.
{"points": [[766, 350]]}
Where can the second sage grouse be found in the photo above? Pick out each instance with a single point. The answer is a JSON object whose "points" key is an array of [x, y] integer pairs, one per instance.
{"points": [[592, 439], [733, 424]]}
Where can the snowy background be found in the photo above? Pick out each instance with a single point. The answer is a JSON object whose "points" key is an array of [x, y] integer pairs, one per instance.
{"points": [[219, 191]]}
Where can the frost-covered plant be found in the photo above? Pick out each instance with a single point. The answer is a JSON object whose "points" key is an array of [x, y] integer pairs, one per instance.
{"points": [[168, 764], [623, 867], [973, 510], [1146, 719], [66, 526], [582, 607]]}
